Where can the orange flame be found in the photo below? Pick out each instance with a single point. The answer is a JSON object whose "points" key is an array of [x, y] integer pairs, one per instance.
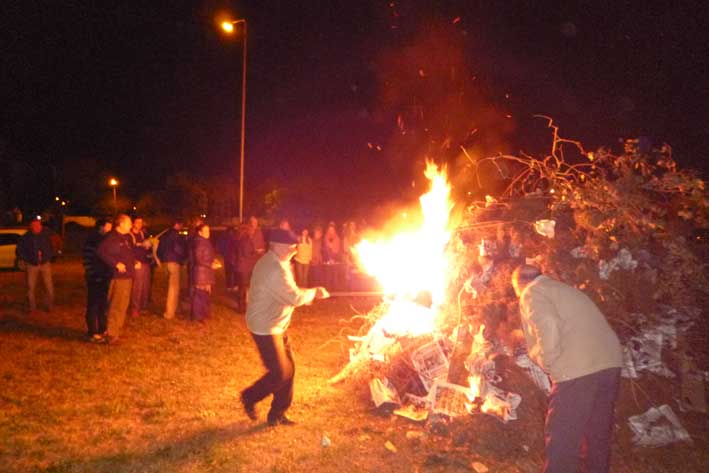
{"points": [[411, 262]]}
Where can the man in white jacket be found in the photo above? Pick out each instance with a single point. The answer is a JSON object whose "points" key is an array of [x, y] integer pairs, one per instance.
{"points": [[272, 298], [569, 337]]}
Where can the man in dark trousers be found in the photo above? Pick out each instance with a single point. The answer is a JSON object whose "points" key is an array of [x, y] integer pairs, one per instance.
{"points": [[570, 338], [172, 250], [273, 297], [140, 294], [98, 277], [36, 251], [116, 251]]}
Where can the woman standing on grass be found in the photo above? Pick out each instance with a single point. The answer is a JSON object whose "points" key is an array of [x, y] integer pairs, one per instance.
{"points": [[202, 273], [303, 256]]}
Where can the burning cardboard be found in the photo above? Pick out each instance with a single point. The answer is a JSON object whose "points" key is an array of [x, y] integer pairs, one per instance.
{"points": [[431, 363], [450, 399]]}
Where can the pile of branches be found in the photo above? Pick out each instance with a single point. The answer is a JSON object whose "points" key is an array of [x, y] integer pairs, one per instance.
{"points": [[636, 204]]}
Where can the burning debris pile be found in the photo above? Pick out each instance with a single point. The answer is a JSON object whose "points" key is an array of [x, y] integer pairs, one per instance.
{"points": [[630, 230]]}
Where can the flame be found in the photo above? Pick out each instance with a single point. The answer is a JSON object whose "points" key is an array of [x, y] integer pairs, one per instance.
{"points": [[474, 382], [414, 261], [405, 318], [494, 406]]}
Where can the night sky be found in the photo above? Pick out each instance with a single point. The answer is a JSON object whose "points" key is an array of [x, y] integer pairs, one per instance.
{"points": [[350, 95]]}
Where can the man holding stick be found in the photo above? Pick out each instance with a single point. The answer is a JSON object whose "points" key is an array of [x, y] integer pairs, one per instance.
{"points": [[272, 298]]}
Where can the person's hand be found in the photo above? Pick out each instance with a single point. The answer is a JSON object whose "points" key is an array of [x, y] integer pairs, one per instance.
{"points": [[121, 267], [138, 265], [216, 264], [321, 293]]}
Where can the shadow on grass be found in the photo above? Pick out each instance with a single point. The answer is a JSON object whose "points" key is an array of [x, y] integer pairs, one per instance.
{"points": [[14, 325], [200, 448]]}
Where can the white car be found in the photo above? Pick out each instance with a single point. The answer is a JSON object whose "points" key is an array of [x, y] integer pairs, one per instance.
{"points": [[8, 243]]}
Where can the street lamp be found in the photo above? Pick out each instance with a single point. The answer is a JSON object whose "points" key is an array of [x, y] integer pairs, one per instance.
{"points": [[228, 27], [114, 183]]}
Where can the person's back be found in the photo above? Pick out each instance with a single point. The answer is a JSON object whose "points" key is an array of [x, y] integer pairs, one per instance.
{"points": [[585, 342], [172, 247], [202, 259], [94, 268]]}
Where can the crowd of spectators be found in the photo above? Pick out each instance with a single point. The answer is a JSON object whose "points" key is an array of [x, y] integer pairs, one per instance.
{"points": [[120, 260]]}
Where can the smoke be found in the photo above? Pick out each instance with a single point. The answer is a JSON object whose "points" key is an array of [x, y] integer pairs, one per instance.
{"points": [[434, 99]]}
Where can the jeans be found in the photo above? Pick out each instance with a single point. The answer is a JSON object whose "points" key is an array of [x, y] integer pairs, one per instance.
{"points": [[173, 290], [33, 271], [118, 302], [581, 410], [96, 306], [277, 357]]}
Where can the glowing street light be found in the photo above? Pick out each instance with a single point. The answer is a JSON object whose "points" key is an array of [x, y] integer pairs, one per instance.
{"points": [[114, 183], [228, 27]]}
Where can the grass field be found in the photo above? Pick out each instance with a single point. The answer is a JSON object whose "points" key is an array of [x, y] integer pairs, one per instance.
{"points": [[164, 400]]}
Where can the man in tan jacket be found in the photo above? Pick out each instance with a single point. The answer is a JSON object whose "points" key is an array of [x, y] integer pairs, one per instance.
{"points": [[570, 338]]}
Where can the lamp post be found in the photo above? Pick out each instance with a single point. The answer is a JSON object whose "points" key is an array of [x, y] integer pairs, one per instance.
{"points": [[114, 183], [228, 27]]}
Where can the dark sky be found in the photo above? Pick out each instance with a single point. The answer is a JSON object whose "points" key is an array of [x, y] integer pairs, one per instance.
{"points": [[148, 89]]}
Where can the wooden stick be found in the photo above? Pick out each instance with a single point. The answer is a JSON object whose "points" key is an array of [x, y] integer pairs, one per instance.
{"points": [[357, 294]]}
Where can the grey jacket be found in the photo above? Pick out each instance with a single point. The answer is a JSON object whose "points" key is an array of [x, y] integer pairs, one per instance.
{"points": [[566, 333]]}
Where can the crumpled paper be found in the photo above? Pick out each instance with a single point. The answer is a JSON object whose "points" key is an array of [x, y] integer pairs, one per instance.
{"points": [[644, 351], [657, 427], [501, 403], [534, 372], [383, 392], [545, 227], [623, 260], [581, 252]]}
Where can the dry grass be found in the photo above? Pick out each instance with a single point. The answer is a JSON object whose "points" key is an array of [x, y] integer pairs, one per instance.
{"points": [[165, 400]]}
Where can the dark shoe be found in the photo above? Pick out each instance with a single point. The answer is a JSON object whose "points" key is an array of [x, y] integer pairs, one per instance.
{"points": [[249, 408], [95, 338], [281, 420]]}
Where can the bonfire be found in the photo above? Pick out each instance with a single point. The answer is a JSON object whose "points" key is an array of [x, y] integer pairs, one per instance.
{"points": [[410, 342]]}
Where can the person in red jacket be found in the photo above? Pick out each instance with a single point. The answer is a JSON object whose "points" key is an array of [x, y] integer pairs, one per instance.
{"points": [[36, 251]]}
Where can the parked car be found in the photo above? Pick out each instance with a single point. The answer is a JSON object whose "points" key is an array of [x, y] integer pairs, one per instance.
{"points": [[8, 244]]}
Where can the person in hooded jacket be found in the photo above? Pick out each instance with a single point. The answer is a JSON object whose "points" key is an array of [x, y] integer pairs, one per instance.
{"points": [[202, 273]]}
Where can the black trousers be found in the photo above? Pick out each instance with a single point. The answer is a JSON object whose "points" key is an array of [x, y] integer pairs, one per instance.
{"points": [[200, 309], [581, 412], [96, 306], [277, 357]]}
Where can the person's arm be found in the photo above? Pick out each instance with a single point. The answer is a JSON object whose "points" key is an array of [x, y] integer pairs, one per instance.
{"points": [[108, 254], [283, 288], [105, 252], [543, 321], [48, 250]]}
